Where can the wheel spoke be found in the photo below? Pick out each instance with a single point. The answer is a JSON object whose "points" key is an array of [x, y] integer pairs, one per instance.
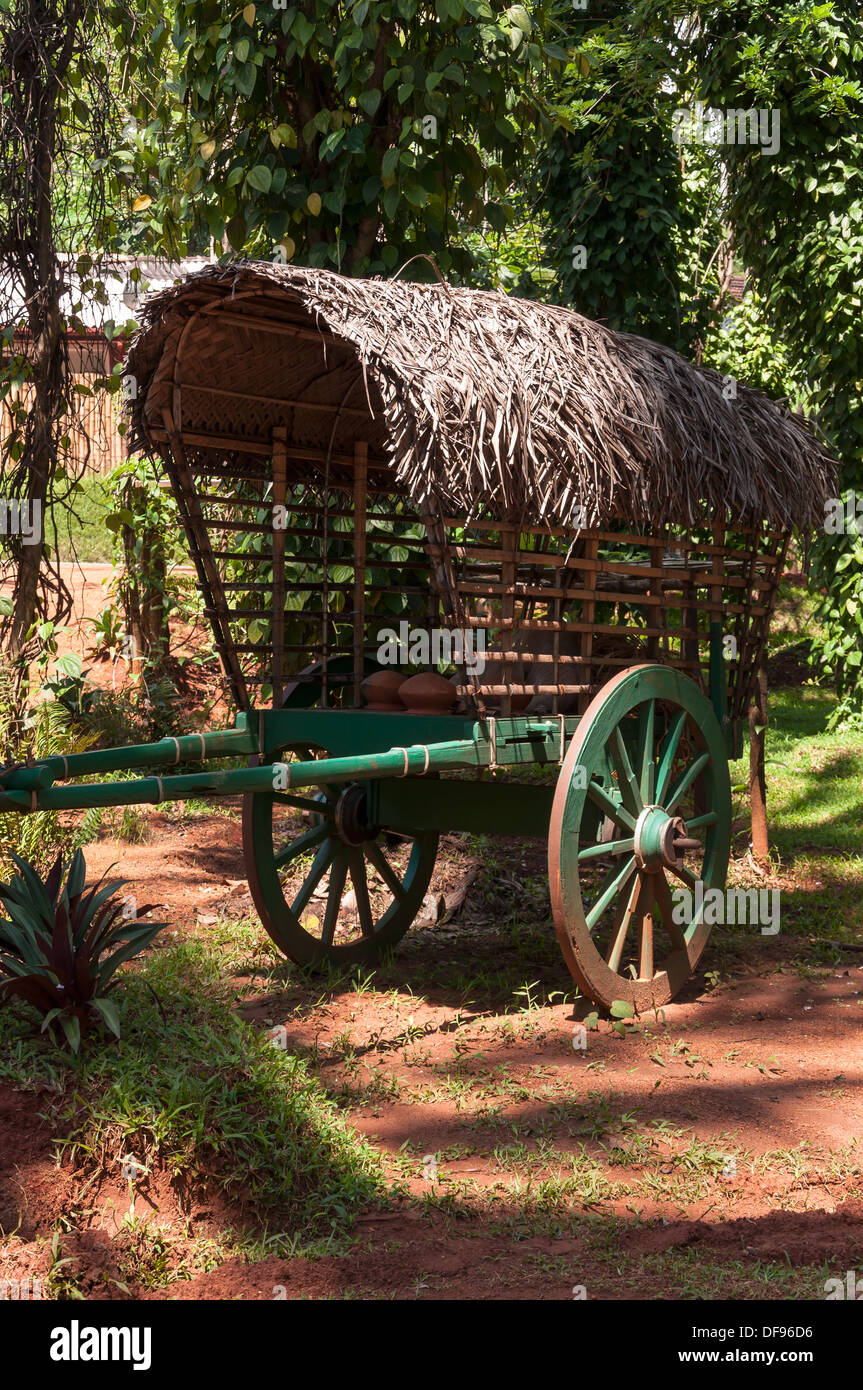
{"points": [[667, 755], [685, 780], [361, 891], [666, 907], [698, 822], [610, 847], [625, 775], [618, 814], [338, 874], [686, 876], [646, 726], [300, 845], [377, 857], [623, 917], [611, 890], [645, 933], [323, 859]]}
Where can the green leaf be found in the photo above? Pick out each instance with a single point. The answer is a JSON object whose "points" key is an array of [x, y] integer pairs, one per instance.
{"points": [[369, 101], [69, 665], [72, 1028], [260, 177], [302, 31], [621, 1009], [519, 16], [110, 1013]]}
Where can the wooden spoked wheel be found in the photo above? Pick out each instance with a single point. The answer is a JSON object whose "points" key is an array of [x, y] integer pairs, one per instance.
{"points": [[328, 886], [648, 756]]}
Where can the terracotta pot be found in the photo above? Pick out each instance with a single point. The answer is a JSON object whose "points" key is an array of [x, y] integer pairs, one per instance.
{"points": [[428, 693], [519, 702], [381, 690]]}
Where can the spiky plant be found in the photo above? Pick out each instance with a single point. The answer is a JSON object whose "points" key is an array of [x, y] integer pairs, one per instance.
{"points": [[60, 946]]}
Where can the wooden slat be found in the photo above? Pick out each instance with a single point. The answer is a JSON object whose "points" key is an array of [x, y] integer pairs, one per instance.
{"points": [[588, 612], [208, 573], [280, 465], [361, 452], [232, 443], [283, 402], [566, 533]]}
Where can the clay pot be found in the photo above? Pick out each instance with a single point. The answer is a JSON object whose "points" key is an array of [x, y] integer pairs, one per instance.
{"points": [[428, 693], [519, 702], [381, 690]]}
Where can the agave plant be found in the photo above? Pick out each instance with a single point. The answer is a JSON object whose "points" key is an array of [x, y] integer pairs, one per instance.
{"points": [[60, 947]]}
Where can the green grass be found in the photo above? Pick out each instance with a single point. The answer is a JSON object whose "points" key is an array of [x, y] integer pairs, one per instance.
{"points": [[192, 1088], [85, 537], [815, 811], [815, 778]]}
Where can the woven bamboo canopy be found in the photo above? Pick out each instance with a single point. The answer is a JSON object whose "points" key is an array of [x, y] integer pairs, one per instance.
{"points": [[474, 401]]}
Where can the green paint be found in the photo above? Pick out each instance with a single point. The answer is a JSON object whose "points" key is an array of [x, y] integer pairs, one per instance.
{"points": [[480, 808], [656, 758]]}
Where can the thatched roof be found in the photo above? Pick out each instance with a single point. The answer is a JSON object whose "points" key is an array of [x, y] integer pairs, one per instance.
{"points": [[474, 399]]}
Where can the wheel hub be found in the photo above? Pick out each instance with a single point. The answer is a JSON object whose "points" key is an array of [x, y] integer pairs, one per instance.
{"points": [[658, 838], [350, 817]]}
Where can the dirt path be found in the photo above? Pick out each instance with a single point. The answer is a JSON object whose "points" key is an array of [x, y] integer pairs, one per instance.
{"points": [[714, 1151]]}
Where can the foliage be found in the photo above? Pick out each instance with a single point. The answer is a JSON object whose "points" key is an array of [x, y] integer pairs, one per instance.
{"points": [[42, 731], [837, 646], [60, 947], [515, 260], [746, 347], [193, 1087], [347, 135], [798, 221], [149, 548], [109, 639], [633, 230], [142, 712], [80, 519], [70, 685]]}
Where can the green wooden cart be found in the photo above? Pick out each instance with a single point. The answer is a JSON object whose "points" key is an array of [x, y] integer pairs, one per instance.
{"points": [[348, 456]]}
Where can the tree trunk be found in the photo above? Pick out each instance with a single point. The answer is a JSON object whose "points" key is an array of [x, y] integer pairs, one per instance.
{"points": [[43, 286]]}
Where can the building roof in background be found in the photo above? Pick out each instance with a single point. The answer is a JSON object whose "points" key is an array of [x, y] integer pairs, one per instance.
{"points": [[123, 293]]}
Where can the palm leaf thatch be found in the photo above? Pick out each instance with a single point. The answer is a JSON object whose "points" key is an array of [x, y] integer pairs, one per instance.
{"points": [[477, 401]]}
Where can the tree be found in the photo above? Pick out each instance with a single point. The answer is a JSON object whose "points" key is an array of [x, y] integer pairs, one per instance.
{"points": [[57, 120], [344, 135], [798, 222], [634, 224]]}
